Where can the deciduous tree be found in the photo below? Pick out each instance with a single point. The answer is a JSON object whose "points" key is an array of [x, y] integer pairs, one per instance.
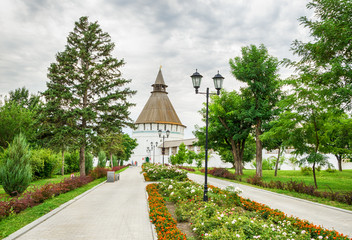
{"points": [[229, 125], [258, 70]]}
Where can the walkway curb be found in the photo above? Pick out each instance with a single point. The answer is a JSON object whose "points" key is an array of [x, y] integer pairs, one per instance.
{"points": [[152, 226], [284, 195], [40, 220]]}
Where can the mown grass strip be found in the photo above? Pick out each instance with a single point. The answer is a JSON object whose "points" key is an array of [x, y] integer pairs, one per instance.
{"points": [[15, 222], [292, 194]]}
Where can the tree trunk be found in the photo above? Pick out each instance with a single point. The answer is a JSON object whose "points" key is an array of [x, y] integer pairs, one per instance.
{"points": [[339, 162], [82, 161], [277, 161], [315, 179], [259, 149], [237, 159], [63, 163], [112, 165]]}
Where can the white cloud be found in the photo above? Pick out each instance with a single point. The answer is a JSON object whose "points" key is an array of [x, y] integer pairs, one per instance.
{"points": [[179, 35]]}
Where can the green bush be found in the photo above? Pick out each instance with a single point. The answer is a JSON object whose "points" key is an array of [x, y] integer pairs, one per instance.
{"points": [[267, 163], [16, 173], [44, 163], [88, 163], [306, 170], [72, 162], [114, 161], [101, 159]]}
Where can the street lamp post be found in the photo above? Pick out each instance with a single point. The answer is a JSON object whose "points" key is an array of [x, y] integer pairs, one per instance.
{"points": [[153, 149], [161, 135], [196, 80]]}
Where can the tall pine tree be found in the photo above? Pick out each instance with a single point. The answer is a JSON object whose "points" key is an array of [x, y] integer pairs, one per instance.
{"points": [[87, 88]]}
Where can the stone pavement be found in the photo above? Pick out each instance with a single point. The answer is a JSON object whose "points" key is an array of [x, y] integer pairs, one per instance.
{"points": [[115, 210], [319, 214]]}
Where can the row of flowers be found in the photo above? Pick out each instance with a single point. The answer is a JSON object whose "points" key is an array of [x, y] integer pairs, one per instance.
{"points": [[229, 216], [292, 186], [165, 225], [38, 195], [156, 172]]}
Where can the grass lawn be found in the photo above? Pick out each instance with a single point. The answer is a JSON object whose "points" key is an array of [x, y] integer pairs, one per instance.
{"points": [[15, 222], [337, 181], [40, 182]]}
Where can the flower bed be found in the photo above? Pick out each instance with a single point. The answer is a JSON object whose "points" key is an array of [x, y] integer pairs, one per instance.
{"points": [[292, 186], [164, 224], [229, 216], [155, 172], [39, 194], [186, 168], [301, 187]]}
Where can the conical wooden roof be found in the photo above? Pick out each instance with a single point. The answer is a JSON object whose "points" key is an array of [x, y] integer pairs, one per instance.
{"points": [[158, 108]]}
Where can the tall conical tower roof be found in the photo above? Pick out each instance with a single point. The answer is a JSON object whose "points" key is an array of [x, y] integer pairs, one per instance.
{"points": [[158, 108]]}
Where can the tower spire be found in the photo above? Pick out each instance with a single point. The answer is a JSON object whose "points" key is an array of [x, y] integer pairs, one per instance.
{"points": [[159, 85]]}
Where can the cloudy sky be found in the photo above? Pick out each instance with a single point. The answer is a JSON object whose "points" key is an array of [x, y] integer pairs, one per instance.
{"points": [[179, 35]]}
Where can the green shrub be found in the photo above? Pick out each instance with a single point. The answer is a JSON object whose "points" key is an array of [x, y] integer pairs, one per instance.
{"points": [[72, 162], [88, 163], [330, 170], [44, 163], [114, 161], [101, 159], [16, 173], [267, 163], [306, 170]]}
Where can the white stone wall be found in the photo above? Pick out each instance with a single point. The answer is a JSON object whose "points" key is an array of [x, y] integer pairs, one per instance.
{"points": [[147, 133]]}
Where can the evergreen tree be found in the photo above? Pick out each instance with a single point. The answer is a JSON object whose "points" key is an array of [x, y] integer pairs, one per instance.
{"points": [[181, 156], [102, 159], [86, 87], [15, 172], [259, 70]]}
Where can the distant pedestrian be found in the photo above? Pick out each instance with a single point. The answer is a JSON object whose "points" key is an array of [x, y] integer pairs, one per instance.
{"points": [[72, 175], [136, 163]]}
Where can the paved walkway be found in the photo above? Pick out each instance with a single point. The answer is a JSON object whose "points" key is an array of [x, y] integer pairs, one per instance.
{"points": [[111, 211], [319, 214]]}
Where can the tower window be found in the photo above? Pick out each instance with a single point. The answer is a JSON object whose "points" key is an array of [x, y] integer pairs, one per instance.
{"points": [[151, 126]]}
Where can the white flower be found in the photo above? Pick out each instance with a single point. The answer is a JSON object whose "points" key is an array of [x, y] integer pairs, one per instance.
{"points": [[222, 215], [284, 233], [206, 234], [238, 190], [192, 191], [303, 232], [194, 229], [237, 235], [172, 193], [320, 237], [233, 221]]}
